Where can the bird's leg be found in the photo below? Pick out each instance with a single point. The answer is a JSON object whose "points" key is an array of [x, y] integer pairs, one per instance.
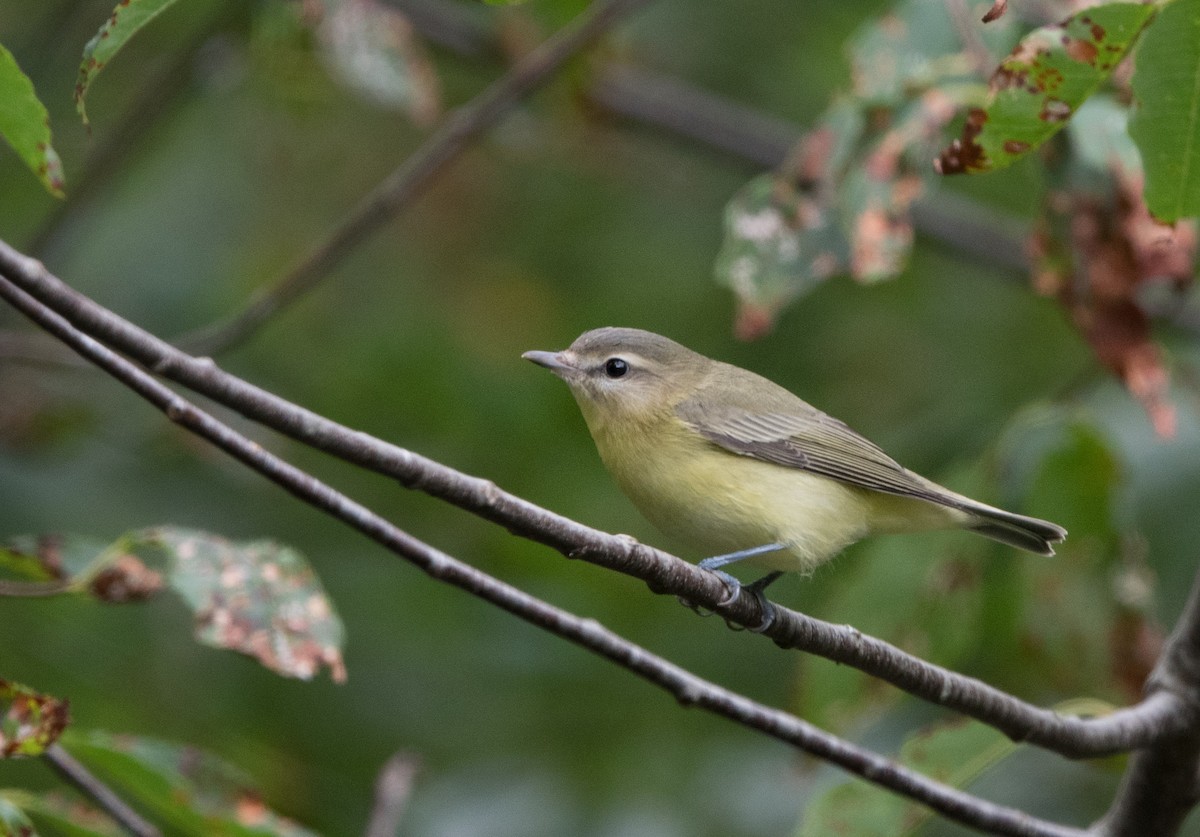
{"points": [[768, 609], [735, 586]]}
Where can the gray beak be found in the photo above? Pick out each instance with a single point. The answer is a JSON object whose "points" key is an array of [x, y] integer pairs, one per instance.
{"points": [[554, 361]]}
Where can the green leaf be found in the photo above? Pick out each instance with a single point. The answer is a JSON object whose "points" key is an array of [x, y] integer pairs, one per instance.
{"points": [[259, 598], [1038, 87], [25, 125], [372, 48], [13, 822], [1166, 115], [192, 790], [31, 721], [126, 20], [953, 753]]}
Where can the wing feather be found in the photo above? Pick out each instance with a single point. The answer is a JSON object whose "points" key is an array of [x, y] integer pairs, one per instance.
{"points": [[805, 438]]}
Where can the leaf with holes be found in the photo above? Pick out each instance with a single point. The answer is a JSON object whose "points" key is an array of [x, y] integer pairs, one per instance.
{"points": [[258, 597], [126, 20], [31, 721], [25, 125], [1166, 116], [1042, 83]]}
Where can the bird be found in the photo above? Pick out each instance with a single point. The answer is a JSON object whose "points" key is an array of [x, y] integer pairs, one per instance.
{"points": [[740, 469]]}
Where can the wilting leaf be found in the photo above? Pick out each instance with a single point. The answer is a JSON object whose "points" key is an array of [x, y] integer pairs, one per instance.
{"points": [[192, 790], [83, 564], [259, 597], [879, 192], [953, 753], [126, 19], [25, 125], [31, 721], [1096, 243], [1166, 115], [1042, 83], [373, 49]]}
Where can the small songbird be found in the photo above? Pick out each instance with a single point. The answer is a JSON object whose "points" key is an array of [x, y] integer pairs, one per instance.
{"points": [[739, 468]]}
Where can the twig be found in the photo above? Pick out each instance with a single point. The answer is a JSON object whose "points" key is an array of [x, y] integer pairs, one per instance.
{"points": [[1153, 719], [393, 787], [71, 769], [36, 588], [686, 687], [1160, 787], [398, 189]]}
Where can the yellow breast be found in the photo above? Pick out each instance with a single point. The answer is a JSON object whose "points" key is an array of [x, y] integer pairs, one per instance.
{"points": [[720, 502]]}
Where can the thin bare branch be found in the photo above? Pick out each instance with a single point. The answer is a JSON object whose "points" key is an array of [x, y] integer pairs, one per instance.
{"points": [[71, 769], [686, 687], [398, 189], [1153, 719]]}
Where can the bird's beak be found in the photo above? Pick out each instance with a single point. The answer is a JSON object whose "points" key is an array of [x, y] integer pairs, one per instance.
{"points": [[556, 362]]}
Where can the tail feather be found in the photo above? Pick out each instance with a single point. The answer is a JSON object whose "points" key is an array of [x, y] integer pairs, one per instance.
{"points": [[1028, 533]]}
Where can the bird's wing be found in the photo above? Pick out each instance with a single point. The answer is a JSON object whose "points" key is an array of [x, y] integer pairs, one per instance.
{"points": [[810, 441]]}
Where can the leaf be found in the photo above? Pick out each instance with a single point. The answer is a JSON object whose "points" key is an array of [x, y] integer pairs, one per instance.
{"points": [[1045, 80], [192, 790], [374, 51], [106, 571], [31, 721], [259, 598], [953, 753], [25, 125], [126, 20], [13, 822], [1166, 113], [782, 234]]}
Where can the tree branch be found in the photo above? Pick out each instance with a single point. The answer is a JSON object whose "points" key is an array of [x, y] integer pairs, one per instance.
{"points": [[1156, 718], [71, 769], [443, 146], [686, 687], [1160, 787]]}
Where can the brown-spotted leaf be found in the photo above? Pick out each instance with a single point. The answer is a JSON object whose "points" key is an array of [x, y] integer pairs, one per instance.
{"points": [[260, 598], [1045, 80], [126, 19], [31, 721]]}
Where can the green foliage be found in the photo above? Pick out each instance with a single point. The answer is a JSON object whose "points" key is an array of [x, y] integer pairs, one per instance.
{"points": [[60, 815], [194, 791], [127, 18], [1043, 82], [954, 753], [25, 125], [1166, 116]]}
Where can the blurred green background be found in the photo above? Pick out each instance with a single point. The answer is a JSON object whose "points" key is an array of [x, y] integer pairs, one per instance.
{"points": [[561, 220]]}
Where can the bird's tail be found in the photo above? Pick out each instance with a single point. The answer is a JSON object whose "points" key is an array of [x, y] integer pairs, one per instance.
{"points": [[1028, 533]]}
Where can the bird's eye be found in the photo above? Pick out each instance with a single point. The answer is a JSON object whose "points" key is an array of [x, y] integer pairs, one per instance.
{"points": [[614, 367]]}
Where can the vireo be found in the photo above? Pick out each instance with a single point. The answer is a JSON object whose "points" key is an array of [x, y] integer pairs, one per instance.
{"points": [[739, 468]]}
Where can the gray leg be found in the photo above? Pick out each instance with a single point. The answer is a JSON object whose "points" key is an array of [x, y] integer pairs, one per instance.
{"points": [[723, 560]]}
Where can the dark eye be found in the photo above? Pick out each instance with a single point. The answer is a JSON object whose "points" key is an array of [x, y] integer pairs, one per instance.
{"points": [[614, 367]]}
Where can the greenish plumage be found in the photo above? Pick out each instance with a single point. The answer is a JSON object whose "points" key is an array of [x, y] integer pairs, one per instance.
{"points": [[726, 460]]}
